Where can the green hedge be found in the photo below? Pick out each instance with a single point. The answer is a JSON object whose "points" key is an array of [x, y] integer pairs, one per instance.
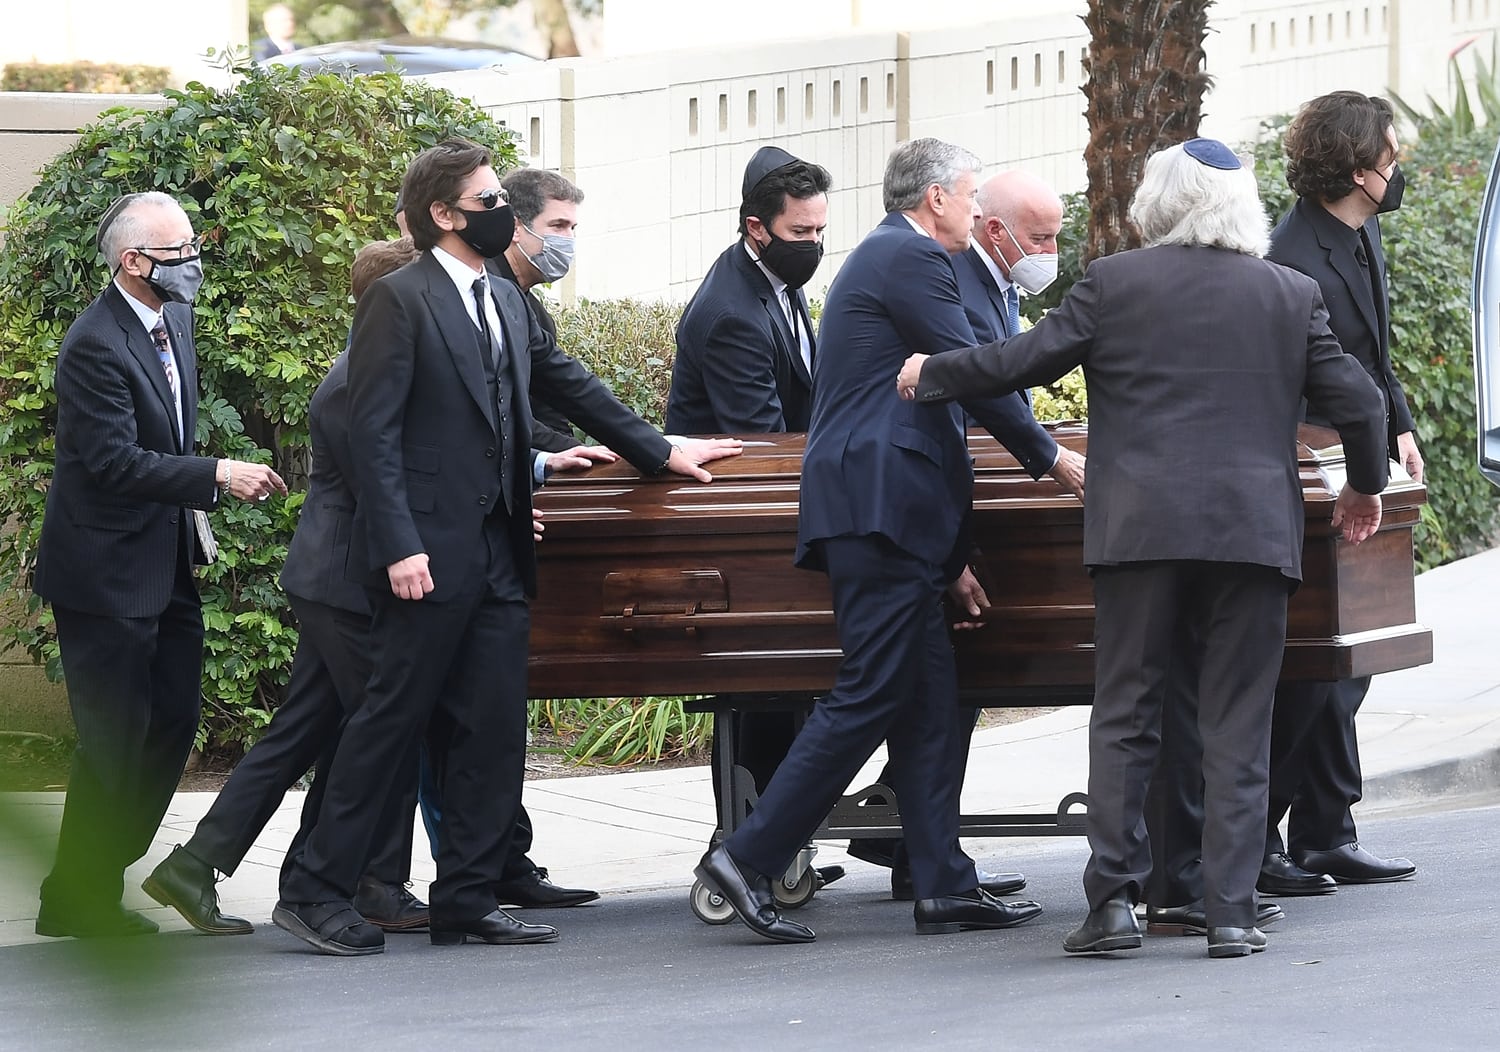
{"points": [[102, 78], [287, 176]]}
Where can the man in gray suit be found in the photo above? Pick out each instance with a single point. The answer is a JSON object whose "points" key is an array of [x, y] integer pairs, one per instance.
{"points": [[1198, 354]]}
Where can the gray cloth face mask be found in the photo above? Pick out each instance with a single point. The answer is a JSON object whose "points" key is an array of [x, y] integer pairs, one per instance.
{"points": [[175, 280], [556, 257]]}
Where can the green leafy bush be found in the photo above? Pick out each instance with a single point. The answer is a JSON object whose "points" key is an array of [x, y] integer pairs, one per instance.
{"points": [[287, 175], [103, 78], [628, 344]]}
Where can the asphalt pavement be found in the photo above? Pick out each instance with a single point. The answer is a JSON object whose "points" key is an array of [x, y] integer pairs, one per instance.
{"points": [[1414, 965]]}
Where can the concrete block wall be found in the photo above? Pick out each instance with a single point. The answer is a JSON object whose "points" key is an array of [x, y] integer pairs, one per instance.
{"points": [[659, 141]]}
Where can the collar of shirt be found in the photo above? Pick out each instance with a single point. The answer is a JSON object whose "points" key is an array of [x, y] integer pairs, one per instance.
{"points": [[915, 225], [149, 318], [462, 275], [777, 285], [1001, 281]]}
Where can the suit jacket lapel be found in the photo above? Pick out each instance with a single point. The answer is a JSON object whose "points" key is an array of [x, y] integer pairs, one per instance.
{"points": [[186, 354], [987, 282], [139, 344], [462, 338], [1347, 268]]}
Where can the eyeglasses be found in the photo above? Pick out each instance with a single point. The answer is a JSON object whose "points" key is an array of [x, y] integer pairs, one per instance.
{"points": [[488, 199], [185, 250]]}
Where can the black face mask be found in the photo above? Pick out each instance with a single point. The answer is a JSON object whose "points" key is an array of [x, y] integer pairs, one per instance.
{"points": [[1395, 188], [488, 231], [794, 262]]}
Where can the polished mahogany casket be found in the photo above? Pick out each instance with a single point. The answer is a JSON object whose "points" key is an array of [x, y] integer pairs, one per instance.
{"points": [[655, 586]]}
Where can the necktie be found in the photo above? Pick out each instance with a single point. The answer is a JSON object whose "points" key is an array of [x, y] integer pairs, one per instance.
{"points": [[168, 366], [1012, 311], [164, 352], [481, 291]]}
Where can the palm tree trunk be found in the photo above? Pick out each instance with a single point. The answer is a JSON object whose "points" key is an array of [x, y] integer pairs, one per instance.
{"points": [[1145, 92], [553, 21]]}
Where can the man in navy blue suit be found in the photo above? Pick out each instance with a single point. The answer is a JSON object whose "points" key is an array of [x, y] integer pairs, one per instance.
{"points": [[1013, 245], [886, 489]]}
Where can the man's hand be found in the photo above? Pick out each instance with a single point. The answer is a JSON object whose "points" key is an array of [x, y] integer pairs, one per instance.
{"points": [[579, 457], [688, 453], [1068, 471], [409, 577], [911, 375], [968, 595], [248, 481], [536, 525], [1406, 452], [1357, 513]]}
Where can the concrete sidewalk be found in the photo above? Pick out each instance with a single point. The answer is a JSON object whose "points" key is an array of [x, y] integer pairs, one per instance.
{"points": [[1425, 733]]}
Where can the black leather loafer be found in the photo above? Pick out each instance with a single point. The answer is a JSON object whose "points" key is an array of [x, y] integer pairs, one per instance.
{"points": [[498, 929], [186, 883], [1193, 920], [828, 874], [105, 923], [751, 897], [1352, 864], [877, 851], [994, 883], [1235, 942], [334, 928], [390, 907], [535, 892], [1279, 875], [1110, 927], [970, 911]]}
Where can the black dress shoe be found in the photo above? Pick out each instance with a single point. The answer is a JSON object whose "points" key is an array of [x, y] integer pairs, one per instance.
{"points": [[1352, 864], [535, 892], [970, 910], [186, 883], [334, 928], [390, 907], [1235, 942], [826, 875], [1193, 920], [751, 897], [877, 851], [108, 922], [1110, 927], [1279, 875], [994, 883], [498, 929]]}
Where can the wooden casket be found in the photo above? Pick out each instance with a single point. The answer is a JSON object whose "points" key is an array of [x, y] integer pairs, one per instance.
{"points": [[667, 586]]}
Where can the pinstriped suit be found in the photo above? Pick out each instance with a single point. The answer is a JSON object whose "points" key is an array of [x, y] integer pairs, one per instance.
{"points": [[115, 561]]}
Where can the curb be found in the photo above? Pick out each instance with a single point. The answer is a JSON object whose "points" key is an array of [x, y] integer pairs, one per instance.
{"points": [[1475, 774]]}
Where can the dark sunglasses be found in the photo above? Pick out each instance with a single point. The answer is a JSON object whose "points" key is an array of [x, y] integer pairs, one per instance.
{"points": [[488, 199]]}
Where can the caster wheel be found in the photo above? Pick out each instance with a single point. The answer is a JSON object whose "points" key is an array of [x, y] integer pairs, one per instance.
{"points": [[709, 906], [798, 894]]}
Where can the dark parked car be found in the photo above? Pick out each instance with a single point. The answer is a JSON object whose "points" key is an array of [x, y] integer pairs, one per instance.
{"points": [[1487, 327], [411, 55]]}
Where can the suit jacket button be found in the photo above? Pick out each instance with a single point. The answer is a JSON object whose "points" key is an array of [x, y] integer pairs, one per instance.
{"points": [[483, 499], [490, 453]]}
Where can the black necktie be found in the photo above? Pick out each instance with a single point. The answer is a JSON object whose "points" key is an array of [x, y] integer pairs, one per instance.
{"points": [[487, 338]]}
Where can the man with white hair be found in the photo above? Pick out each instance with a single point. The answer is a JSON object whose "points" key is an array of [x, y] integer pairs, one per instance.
{"points": [[1197, 353], [123, 529], [886, 487]]}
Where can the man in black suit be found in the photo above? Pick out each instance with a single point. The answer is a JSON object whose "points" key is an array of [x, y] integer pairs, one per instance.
{"points": [[546, 209], [440, 360], [327, 684], [886, 487], [123, 528], [1197, 354], [745, 342], [1341, 162]]}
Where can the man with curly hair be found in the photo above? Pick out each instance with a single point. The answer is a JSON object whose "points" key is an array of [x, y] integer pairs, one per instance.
{"points": [[1341, 160]]}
